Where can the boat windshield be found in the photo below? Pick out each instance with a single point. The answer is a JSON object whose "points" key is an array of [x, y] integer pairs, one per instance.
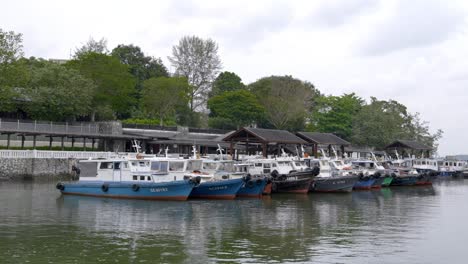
{"points": [[226, 166], [194, 165], [210, 165], [176, 166], [338, 163], [159, 166]]}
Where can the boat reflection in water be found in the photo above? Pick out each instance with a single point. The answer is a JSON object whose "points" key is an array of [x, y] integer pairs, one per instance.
{"points": [[286, 227]]}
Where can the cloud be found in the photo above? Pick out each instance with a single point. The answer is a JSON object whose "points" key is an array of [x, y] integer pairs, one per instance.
{"points": [[416, 23], [335, 12]]}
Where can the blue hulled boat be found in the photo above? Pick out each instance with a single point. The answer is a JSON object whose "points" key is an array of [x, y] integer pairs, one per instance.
{"points": [[222, 189], [364, 183], [253, 187], [175, 190], [125, 178]]}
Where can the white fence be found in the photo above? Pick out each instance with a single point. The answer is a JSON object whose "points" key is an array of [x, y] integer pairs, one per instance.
{"points": [[43, 154]]}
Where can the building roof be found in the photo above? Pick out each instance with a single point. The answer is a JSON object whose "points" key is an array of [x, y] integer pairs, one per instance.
{"points": [[408, 144], [322, 138], [260, 135]]}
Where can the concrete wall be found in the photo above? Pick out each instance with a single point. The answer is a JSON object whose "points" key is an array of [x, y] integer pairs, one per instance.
{"points": [[34, 168]]}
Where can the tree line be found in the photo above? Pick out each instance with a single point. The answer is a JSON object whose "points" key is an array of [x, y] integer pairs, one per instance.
{"points": [[126, 84]]}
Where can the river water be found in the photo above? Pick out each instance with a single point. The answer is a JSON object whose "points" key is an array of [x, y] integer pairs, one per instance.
{"points": [[393, 225]]}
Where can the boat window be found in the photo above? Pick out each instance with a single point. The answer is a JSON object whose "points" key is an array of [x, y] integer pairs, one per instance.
{"points": [[274, 165], [163, 166], [143, 163], [155, 165], [209, 165], [135, 178], [106, 165], [148, 178], [176, 166], [424, 162], [142, 178], [266, 165], [258, 165], [298, 163], [226, 166], [125, 165], [134, 163], [194, 165], [116, 165]]}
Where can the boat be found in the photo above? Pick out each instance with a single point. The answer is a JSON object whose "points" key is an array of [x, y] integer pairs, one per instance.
{"points": [[123, 178], [333, 176], [253, 186], [453, 168], [286, 177]]}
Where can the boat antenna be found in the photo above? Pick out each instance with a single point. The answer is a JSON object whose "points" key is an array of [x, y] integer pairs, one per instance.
{"points": [[297, 152], [166, 151], [373, 156], [283, 153], [323, 153], [220, 149], [334, 152], [302, 150], [397, 156], [194, 151], [136, 146]]}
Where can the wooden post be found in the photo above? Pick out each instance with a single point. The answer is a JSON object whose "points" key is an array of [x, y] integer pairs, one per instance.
{"points": [[231, 149], [73, 143], [342, 151], [92, 144], [22, 141], [8, 141], [50, 140], [315, 150], [62, 143], [264, 149], [34, 141]]}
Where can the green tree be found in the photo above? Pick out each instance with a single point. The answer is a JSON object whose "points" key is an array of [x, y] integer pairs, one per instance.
{"points": [[233, 109], [92, 46], [13, 73], [197, 60], [114, 85], [226, 81], [161, 96], [141, 67], [287, 101], [381, 122], [334, 114], [58, 93]]}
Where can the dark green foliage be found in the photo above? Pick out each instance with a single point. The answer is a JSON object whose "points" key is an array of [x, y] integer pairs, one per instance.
{"points": [[287, 101], [115, 86], [334, 114], [141, 67], [161, 97], [234, 109], [57, 93], [226, 81]]}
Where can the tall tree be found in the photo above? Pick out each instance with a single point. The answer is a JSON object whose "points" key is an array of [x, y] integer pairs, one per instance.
{"points": [[287, 101], [226, 81], [197, 60], [141, 67], [115, 86], [92, 46], [334, 114], [233, 109], [162, 96], [381, 122], [58, 93], [13, 73]]}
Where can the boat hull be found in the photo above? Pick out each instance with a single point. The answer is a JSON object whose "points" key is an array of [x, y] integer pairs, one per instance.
{"points": [[253, 188], [175, 190], [377, 184], [291, 185], [334, 184], [404, 180], [364, 184], [223, 189], [426, 178], [387, 181]]}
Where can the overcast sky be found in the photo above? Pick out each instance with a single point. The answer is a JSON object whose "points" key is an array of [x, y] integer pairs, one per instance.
{"points": [[415, 52]]}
